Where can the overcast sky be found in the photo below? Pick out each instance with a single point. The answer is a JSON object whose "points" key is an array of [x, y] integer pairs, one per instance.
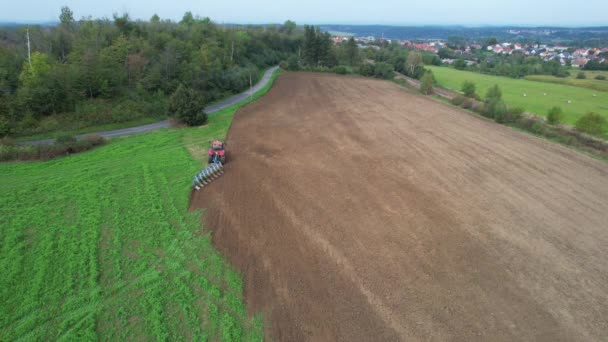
{"points": [[391, 12]]}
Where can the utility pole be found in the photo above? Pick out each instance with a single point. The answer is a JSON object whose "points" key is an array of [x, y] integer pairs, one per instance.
{"points": [[29, 54]]}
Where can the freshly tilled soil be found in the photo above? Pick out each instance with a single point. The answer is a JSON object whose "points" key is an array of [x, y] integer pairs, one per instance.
{"points": [[360, 211]]}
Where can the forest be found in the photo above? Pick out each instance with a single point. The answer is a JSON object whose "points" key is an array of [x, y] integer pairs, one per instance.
{"points": [[99, 71]]}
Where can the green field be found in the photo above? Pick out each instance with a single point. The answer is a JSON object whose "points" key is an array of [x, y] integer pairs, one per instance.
{"points": [[589, 73], [100, 245], [536, 102], [589, 83]]}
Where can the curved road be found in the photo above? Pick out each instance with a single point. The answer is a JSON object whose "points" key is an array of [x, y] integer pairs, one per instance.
{"points": [[165, 123]]}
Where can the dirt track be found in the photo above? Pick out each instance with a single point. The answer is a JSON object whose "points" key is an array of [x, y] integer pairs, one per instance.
{"points": [[359, 211]]}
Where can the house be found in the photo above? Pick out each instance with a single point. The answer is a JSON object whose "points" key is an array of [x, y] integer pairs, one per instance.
{"points": [[425, 47], [579, 62]]}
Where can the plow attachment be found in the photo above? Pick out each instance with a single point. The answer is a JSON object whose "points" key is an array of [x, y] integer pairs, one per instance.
{"points": [[208, 175]]}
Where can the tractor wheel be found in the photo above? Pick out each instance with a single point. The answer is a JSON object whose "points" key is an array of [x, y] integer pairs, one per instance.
{"points": [[223, 159], [209, 159]]}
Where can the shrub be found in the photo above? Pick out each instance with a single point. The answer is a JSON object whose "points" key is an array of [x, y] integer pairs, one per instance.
{"points": [[460, 64], [293, 63], [478, 107], [8, 153], [5, 124], [283, 65], [468, 88], [62, 146], [592, 123], [384, 70], [95, 139], [498, 111], [467, 103], [426, 83], [341, 70], [494, 93], [513, 114], [366, 70], [6, 141], [49, 124], [537, 128], [600, 77], [554, 116], [65, 139], [494, 105], [458, 100], [28, 122], [581, 75]]}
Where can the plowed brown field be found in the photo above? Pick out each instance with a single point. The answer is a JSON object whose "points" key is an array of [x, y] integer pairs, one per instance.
{"points": [[359, 211]]}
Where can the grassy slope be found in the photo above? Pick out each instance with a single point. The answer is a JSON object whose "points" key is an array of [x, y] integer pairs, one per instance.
{"points": [[583, 100], [100, 245]]}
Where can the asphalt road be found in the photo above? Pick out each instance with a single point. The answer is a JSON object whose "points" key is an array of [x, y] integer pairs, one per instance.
{"points": [[165, 123]]}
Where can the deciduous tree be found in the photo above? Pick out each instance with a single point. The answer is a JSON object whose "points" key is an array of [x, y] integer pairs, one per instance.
{"points": [[426, 83], [187, 106]]}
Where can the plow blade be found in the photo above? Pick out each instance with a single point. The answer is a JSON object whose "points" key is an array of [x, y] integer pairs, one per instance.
{"points": [[207, 175]]}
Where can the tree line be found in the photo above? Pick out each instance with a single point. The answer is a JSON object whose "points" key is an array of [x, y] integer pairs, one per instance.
{"points": [[97, 71]]}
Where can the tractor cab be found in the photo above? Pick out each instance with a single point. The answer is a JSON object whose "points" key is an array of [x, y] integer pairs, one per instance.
{"points": [[217, 145], [217, 152]]}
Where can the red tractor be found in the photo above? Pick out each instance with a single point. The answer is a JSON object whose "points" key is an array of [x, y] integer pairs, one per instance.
{"points": [[217, 153]]}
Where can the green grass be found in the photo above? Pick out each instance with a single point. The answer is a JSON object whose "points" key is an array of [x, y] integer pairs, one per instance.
{"points": [[589, 83], [582, 99], [590, 73], [100, 245]]}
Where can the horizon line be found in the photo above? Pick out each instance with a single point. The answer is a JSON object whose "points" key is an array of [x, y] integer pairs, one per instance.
{"points": [[50, 22]]}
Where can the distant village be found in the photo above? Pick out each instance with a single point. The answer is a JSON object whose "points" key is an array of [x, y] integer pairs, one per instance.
{"points": [[577, 58]]}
